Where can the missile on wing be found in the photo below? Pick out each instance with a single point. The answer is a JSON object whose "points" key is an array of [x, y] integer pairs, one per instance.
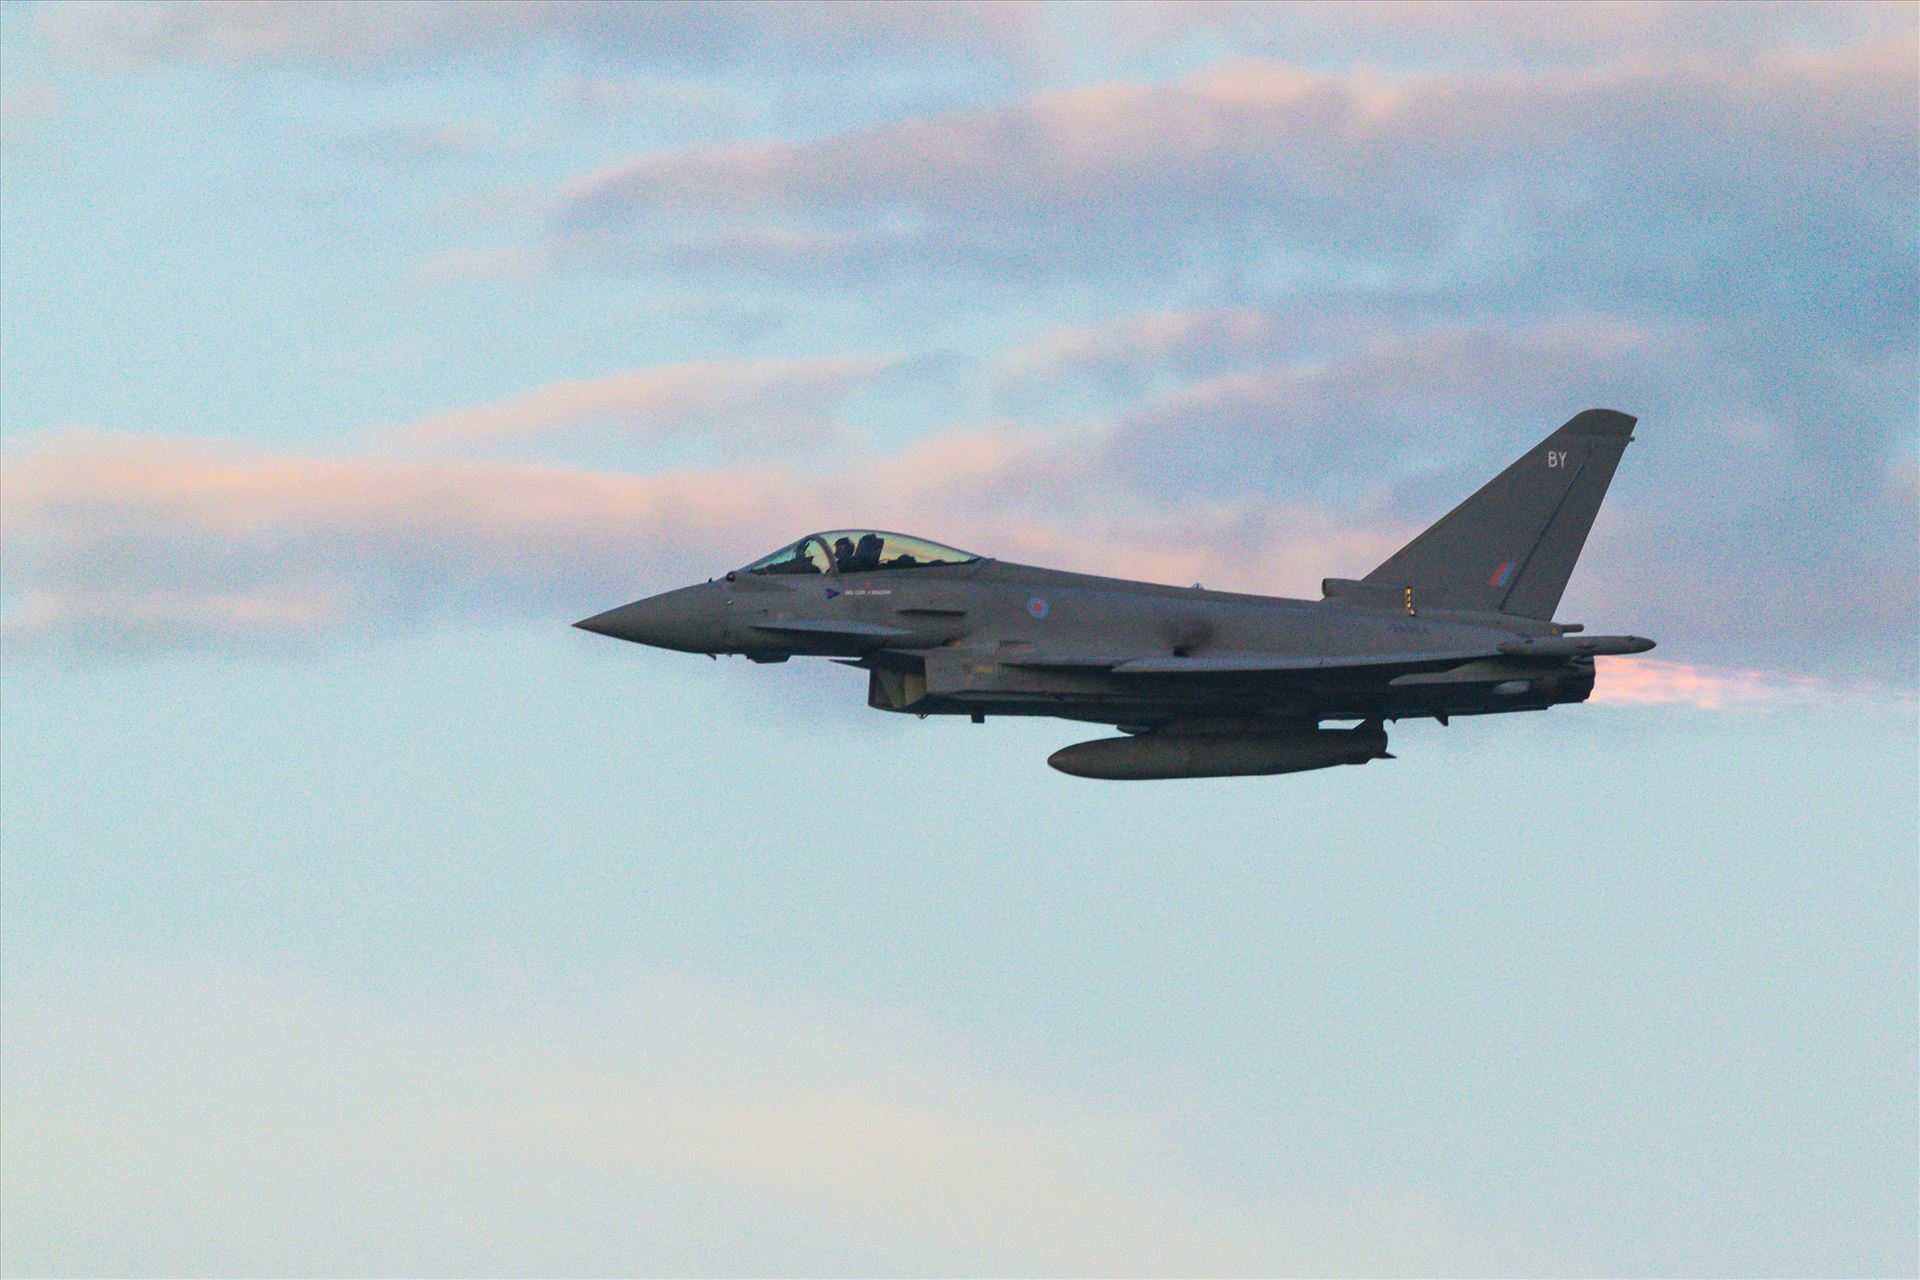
{"points": [[1221, 752], [1572, 646]]}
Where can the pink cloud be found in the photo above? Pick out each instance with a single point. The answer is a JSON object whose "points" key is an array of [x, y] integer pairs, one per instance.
{"points": [[766, 400], [1303, 146], [1482, 32], [137, 543], [1131, 345], [1652, 681], [1748, 484], [132, 541], [1381, 404]]}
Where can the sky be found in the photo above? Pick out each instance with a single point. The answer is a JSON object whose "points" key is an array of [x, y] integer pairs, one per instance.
{"points": [[359, 916]]}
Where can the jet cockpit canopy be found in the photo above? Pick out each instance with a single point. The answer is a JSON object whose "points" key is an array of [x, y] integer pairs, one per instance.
{"points": [[858, 551]]}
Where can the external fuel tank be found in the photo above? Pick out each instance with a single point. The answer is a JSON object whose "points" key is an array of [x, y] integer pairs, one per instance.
{"points": [[1221, 752]]}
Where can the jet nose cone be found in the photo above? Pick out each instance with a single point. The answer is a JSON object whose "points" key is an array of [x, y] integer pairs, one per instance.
{"points": [[684, 619], [621, 623]]}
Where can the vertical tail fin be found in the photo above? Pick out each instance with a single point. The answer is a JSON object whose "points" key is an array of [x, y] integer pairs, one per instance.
{"points": [[1510, 548]]}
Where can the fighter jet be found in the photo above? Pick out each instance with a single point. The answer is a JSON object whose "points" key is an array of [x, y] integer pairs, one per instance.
{"points": [[1199, 683]]}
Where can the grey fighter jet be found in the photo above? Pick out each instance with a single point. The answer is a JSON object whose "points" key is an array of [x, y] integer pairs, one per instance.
{"points": [[1199, 683]]}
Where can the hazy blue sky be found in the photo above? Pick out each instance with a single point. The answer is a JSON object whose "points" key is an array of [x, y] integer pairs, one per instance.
{"points": [[361, 916]]}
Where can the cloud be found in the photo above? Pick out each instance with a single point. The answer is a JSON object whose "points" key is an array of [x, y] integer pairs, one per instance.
{"points": [[136, 544], [1127, 354], [1758, 469], [121, 541], [768, 402], [1326, 413], [426, 35], [1653, 681], [350, 37], [1486, 33], [1720, 240], [128, 542], [1666, 162], [229, 1111]]}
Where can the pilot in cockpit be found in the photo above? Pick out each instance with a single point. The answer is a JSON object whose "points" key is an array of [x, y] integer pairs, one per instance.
{"points": [[843, 554]]}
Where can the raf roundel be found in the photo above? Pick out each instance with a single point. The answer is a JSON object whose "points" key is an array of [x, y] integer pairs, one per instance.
{"points": [[1037, 606]]}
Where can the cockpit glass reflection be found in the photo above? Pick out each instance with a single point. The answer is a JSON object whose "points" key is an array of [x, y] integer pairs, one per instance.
{"points": [[858, 551], [809, 555], [870, 550]]}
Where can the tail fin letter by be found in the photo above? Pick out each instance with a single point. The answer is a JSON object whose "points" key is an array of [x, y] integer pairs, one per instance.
{"points": [[1511, 547]]}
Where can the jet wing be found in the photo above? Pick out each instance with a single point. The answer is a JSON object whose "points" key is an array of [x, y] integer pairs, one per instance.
{"points": [[1234, 664], [1237, 664]]}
